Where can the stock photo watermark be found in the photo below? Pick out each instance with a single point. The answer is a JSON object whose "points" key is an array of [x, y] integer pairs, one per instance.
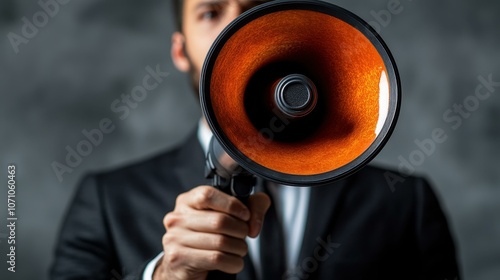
{"points": [[383, 18], [267, 134], [11, 218], [32, 26], [323, 251], [454, 117], [122, 108]]}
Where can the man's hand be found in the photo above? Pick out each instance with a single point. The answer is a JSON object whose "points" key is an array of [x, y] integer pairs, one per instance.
{"points": [[206, 231]]}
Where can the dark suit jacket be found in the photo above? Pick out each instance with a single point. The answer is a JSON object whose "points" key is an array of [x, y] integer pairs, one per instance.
{"points": [[357, 228]]}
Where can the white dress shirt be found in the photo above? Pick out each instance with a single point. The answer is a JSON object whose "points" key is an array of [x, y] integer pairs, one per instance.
{"points": [[292, 204]]}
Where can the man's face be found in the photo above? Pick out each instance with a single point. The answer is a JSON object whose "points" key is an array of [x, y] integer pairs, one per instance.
{"points": [[203, 20]]}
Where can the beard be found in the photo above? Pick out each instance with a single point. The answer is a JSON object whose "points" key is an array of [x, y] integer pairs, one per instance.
{"points": [[194, 77]]}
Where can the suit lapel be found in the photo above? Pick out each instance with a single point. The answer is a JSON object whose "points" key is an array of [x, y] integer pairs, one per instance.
{"points": [[190, 168], [323, 207]]}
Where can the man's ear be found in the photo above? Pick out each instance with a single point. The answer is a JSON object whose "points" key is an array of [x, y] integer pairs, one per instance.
{"points": [[178, 52]]}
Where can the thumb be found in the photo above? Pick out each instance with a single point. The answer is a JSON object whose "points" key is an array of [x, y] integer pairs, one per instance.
{"points": [[258, 204]]}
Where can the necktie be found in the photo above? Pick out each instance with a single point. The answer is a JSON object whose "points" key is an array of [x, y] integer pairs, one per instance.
{"points": [[272, 244]]}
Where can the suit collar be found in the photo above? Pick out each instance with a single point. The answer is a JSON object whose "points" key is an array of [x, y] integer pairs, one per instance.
{"points": [[190, 163]]}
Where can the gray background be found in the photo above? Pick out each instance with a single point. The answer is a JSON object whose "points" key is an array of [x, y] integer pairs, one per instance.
{"points": [[65, 78]]}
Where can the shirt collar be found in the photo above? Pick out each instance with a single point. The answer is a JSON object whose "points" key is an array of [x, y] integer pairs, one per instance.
{"points": [[204, 135]]}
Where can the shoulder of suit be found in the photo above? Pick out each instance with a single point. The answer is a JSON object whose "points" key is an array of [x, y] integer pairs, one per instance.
{"points": [[377, 172], [138, 172], [144, 165], [387, 182]]}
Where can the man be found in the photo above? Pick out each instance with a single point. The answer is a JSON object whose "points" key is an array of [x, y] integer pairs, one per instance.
{"points": [[352, 229]]}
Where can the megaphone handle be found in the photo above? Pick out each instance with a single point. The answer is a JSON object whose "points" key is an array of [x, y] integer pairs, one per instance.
{"points": [[241, 187], [230, 178], [236, 182]]}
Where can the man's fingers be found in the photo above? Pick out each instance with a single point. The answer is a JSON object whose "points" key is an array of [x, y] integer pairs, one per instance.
{"points": [[206, 197], [206, 221], [206, 231], [258, 204], [202, 260], [208, 241]]}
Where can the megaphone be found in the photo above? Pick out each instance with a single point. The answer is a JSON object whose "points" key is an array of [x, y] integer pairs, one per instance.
{"points": [[300, 92], [297, 92]]}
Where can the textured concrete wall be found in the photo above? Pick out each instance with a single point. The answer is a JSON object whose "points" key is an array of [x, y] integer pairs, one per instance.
{"points": [[65, 78]]}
